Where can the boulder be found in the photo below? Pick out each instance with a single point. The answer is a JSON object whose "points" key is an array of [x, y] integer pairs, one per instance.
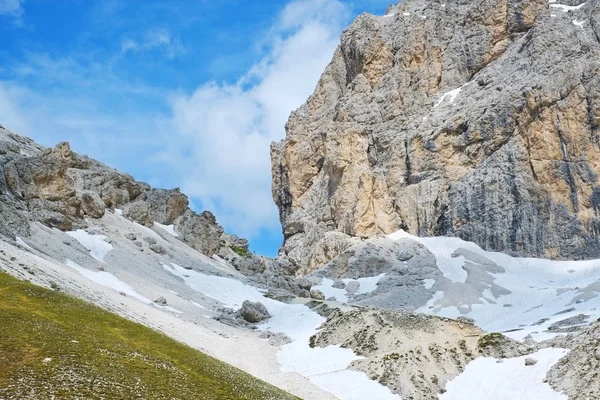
{"points": [[352, 287], [91, 204], [254, 312], [316, 294]]}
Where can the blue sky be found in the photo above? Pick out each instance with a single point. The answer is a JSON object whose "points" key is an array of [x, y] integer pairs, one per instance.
{"points": [[178, 94]]}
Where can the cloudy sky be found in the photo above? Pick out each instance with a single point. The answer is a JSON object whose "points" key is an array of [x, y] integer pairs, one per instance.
{"points": [[179, 94]]}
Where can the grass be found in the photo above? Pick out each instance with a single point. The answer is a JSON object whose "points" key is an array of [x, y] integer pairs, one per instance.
{"points": [[55, 346], [240, 251]]}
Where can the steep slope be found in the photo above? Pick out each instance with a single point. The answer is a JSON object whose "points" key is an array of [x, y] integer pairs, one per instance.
{"points": [[477, 119], [55, 346]]}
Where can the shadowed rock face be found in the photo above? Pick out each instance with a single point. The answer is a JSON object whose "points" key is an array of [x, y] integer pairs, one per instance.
{"points": [[478, 119]]}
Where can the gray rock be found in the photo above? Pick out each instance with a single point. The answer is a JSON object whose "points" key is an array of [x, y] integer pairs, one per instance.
{"points": [[352, 287], [161, 301], [316, 294], [92, 204], [254, 312], [131, 236], [338, 285], [530, 361], [158, 249]]}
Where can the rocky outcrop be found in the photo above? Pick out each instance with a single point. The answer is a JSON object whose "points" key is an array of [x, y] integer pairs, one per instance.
{"points": [[478, 119], [60, 189], [577, 374]]}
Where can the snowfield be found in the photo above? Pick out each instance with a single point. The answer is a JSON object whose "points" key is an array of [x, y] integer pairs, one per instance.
{"points": [[95, 244], [525, 296], [326, 367], [507, 379], [367, 285]]}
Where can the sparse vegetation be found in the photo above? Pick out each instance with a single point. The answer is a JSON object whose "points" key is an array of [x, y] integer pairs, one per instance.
{"points": [[240, 251], [55, 346], [490, 339]]}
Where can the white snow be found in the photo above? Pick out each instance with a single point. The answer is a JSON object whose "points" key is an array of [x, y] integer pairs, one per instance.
{"points": [[450, 96], [578, 23], [553, 15], [118, 211], [388, 15], [566, 8], [320, 365], [22, 243], [428, 283], [485, 378], [542, 292], [198, 305], [340, 295], [95, 244], [367, 285], [168, 308], [442, 248], [107, 279], [406, 14], [355, 384], [170, 229]]}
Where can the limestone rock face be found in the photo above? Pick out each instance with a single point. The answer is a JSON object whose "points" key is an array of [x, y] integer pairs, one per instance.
{"points": [[478, 119], [60, 189]]}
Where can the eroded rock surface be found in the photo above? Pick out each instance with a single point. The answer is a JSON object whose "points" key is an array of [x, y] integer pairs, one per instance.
{"points": [[478, 119]]}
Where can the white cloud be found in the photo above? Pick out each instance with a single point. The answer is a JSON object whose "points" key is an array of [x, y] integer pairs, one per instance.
{"points": [[224, 131], [12, 8], [160, 39]]}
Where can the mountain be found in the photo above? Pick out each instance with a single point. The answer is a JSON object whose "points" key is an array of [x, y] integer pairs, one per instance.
{"points": [[439, 204], [475, 119]]}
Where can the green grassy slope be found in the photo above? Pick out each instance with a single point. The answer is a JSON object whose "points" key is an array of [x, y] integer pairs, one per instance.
{"points": [[55, 346]]}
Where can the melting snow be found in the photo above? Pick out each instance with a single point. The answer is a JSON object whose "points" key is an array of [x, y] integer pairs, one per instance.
{"points": [[367, 285], [107, 279], [451, 96], [22, 243], [428, 283], [95, 244], [566, 8], [323, 366], [485, 378], [170, 229], [539, 292]]}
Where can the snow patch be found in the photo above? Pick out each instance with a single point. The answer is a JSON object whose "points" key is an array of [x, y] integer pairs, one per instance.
{"points": [[170, 229], [450, 96], [95, 244], [406, 14], [578, 23], [118, 211], [354, 383], [485, 378], [428, 283], [299, 323], [109, 280], [367, 285], [526, 297], [566, 8], [22, 243]]}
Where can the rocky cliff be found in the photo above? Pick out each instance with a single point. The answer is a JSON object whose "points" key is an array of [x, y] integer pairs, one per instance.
{"points": [[61, 189], [477, 119]]}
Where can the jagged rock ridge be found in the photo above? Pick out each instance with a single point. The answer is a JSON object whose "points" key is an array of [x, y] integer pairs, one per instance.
{"points": [[59, 188], [478, 119]]}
